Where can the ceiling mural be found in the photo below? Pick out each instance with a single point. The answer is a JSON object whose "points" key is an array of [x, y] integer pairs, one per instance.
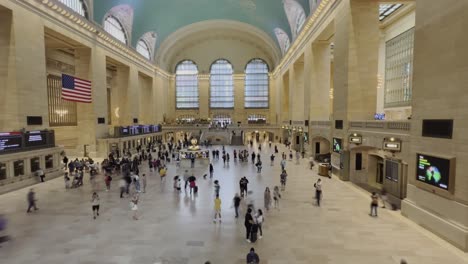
{"points": [[166, 16]]}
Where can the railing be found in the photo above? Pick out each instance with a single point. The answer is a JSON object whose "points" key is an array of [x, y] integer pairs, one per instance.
{"points": [[320, 123], [381, 125]]}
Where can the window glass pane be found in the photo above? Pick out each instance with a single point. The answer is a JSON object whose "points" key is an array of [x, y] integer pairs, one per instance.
{"points": [[386, 10], [18, 167], [186, 85], [49, 161], [3, 174], [114, 27], [399, 70], [35, 164], [256, 85], [61, 112], [76, 5], [221, 85], [143, 49]]}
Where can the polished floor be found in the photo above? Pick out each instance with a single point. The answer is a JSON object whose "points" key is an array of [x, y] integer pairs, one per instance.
{"points": [[178, 228]]}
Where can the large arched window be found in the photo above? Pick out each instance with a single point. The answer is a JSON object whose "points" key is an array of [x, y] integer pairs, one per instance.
{"points": [[296, 16], [221, 85], [143, 49], [186, 85], [256, 84], [113, 26], [76, 5]]}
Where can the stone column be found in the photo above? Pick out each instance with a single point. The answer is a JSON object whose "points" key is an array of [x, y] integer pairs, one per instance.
{"points": [[320, 75], [440, 92], [123, 117], [297, 92]]}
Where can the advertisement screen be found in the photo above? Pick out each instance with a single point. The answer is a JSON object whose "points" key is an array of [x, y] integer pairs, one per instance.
{"points": [[35, 139], [434, 171], [337, 145], [10, 141]]}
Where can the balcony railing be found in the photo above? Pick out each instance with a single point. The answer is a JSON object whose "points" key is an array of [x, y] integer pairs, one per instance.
{"points": [[381, 125]]}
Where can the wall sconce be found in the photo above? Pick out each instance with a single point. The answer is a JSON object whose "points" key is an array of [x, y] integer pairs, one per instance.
{"points": [[355, 139], [392, 144]]}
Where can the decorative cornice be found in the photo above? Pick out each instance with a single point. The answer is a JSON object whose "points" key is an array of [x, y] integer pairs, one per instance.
{"points": [[310, 27], [104, 38]]}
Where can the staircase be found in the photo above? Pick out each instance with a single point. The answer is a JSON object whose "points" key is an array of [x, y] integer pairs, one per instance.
{"points": [[237, 140]]}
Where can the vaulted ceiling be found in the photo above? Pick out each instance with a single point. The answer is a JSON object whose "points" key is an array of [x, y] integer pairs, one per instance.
{"points": [[167, 16]]}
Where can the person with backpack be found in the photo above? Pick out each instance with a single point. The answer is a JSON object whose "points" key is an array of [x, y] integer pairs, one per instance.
{"points": [[252, 257], [318, 191]]}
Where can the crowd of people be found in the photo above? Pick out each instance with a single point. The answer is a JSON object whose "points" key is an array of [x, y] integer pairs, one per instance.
{"points": [[157, 156]]}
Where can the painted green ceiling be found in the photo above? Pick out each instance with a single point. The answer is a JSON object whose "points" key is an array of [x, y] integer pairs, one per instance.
{"points": [[166, 16]]}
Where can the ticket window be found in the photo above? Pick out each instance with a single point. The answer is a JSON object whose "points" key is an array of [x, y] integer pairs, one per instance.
{"points": [[49, 161], [35, 164], [18, 168], [3, 173]]}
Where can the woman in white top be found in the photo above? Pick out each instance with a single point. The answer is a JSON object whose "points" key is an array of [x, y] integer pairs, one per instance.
{"points": [[318, 191], [95, 203], [259, 218]]}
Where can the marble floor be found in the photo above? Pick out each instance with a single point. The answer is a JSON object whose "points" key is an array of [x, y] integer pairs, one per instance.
{"points": [[178, 228]]}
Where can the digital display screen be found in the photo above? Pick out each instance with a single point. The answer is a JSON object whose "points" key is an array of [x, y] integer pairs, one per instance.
{"points": [[134, 130], [35, 139], [124, 131], [337, 145], [145, 129], [10, 141], [434, 171]]}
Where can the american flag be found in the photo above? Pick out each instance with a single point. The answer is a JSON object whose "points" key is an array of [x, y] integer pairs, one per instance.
{"points": [[75, 89]]}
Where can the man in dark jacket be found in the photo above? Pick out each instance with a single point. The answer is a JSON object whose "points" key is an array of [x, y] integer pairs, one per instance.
{"points": [[252, 257], [31, 200]]}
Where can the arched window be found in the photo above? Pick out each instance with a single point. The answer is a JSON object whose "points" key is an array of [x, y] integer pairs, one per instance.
{"points": [[296, 16], [143, 49], [115, 28], [221, 85], [283, 40], [76, 5], [186, 85], [256, 84]]}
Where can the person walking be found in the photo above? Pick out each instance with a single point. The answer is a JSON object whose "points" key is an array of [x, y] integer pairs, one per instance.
{"points": [[276, 196], [136, 181], [252, 257], [217, 208], [134, 206], [143, 181], [108, 180], [193, 184], [248, 222], [318, 191], [162, 173], [236, 202], [283, 177], [216, 187], [186, 177], [259, 219], [243, 186], [298, 156], [122, 186], [267, 198], [283, 164], [272, 159], [374, 204], [211, 170], [41, 174], [95, 204], [31, 200]]}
